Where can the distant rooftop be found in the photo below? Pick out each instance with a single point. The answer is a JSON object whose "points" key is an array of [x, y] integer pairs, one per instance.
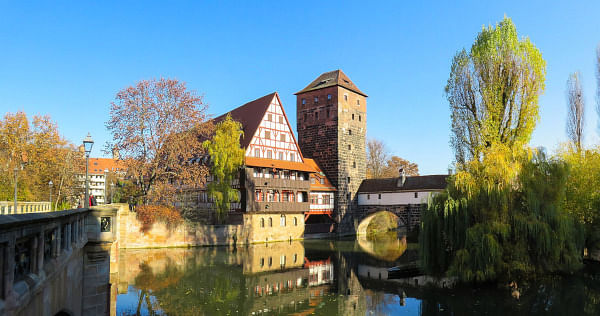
{"points": [[414, 183]]}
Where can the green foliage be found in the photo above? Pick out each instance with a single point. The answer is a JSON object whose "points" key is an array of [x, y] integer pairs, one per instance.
{"points": [[503, 233], [493, 91], [226, 159], [583, 190]]}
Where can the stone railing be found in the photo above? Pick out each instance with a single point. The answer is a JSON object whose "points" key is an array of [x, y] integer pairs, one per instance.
{"points": [[7, 207]]}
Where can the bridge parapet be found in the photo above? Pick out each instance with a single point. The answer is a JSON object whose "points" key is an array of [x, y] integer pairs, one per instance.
{"points": [[7, 207]]}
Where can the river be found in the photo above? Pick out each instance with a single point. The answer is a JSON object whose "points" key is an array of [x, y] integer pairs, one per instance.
{"points": [[320, 277]]}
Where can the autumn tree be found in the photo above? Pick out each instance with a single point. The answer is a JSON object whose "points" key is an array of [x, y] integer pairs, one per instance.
{"points": [[598, 85], [377, 156], [41, 155], [226, 158], [395, 163], [493, 91], [156, 126], [575, 111]]}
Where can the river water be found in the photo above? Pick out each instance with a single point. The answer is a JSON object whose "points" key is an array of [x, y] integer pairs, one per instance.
{"points": [[320, 277]]}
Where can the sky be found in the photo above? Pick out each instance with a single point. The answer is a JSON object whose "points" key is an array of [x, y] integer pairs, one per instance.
{"points": [[69, 59]]}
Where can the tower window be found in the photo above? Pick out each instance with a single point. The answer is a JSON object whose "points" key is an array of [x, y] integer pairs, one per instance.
{"points": [[316, 115], [303, 101], [345, 97], [353, 117], [358, 102], [348, 179], [316, 99], [349, 147], [349, 132], [354, 164], [359, 118], [329, 97]]}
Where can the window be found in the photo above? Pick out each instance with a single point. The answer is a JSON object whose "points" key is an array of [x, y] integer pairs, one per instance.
{"points": [[416, 195], [368, 196], [316, 115], [270, 261], [349, 147], [295, 220], [292, 157], [357, 101], [280, 156], [256, 152], [316, 99], [262, 262], [345, 97], [359, 118], [270, 225], [349, 132], [268, 134], [262, 224], [258, 197], [303, 101], [269, 154], [314, 199], [282, 221], [329, 97], [282, 137], [353, 117], [322, 180], [326, 199], [379, 196], [282, 260], [281, 119], [312, 181], [327, 113], [269, 117], [348, 179], [354, 164]]}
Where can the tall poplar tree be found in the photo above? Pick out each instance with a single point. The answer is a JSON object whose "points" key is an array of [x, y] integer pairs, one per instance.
{"points": [[575, 111], [226, 157]]}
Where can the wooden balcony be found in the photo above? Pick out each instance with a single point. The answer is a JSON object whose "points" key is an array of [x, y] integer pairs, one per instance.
{"points": [[279, 207]]}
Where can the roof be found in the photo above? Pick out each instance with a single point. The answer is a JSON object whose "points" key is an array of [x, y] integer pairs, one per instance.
{"points": [[249, 115], [330, 79], [318, 174], [415, 183], [100, 165], [280, 164]]}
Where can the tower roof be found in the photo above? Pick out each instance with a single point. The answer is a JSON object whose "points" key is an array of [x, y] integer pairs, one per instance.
{"points": [[330, 79]]}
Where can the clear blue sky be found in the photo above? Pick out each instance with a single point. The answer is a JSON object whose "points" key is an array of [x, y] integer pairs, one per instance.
{"points": [[69, 59]]}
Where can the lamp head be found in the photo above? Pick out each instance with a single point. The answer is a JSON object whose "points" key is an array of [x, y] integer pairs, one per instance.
{"points": [[88, 143]]}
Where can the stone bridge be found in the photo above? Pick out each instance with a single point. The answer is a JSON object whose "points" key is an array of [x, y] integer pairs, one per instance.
{"points": [[56, 263], [408, 216]]}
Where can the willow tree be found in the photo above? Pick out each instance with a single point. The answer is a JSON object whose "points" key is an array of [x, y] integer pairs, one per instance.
{"points": [[493, 91], [226, 157], [501, 217]]}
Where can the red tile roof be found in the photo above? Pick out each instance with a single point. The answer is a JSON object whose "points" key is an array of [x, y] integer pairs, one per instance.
{"points": [[318, 175], [280, 164], [100, 165]]}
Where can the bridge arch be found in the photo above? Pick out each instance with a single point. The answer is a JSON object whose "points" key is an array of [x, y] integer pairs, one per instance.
{"points": [[364, 224]]}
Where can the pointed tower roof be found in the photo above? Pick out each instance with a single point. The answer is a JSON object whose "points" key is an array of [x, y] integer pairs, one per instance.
{"points": [[330, 79]]}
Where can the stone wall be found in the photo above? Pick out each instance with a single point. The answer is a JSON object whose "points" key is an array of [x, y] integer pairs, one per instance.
{"points": [[131, 235]]}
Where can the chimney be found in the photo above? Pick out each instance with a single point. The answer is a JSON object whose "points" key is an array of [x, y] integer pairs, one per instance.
{"points": [[402, 178]]}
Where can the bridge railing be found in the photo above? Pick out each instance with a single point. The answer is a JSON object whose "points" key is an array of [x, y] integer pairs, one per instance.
{"points": [[8, 207], [33, 248]]}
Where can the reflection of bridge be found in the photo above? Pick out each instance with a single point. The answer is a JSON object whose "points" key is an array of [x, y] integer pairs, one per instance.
{"points": [[56, 263]]}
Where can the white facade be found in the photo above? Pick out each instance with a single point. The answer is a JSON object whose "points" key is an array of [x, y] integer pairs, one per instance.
{"points": [[395, 198], [97, 186], [273, 138], [321, 201]]}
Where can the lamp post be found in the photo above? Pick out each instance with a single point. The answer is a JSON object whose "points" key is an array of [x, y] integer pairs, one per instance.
{"points": [[112, 190], [87, 145], [50, 185], [15, 207]]}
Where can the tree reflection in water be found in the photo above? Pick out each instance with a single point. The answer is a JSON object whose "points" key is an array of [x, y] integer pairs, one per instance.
{"points": [[325, 280]]}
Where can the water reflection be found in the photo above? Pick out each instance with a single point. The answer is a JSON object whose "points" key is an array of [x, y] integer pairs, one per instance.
{"points": [[320, 277]]}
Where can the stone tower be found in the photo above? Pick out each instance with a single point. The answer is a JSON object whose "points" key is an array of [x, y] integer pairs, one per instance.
{"points": [[332, 126]]}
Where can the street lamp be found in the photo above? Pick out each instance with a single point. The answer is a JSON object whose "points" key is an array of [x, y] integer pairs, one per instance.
{"points": [[87, 145], [112, 190], [15, 207], [50, 185]]}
